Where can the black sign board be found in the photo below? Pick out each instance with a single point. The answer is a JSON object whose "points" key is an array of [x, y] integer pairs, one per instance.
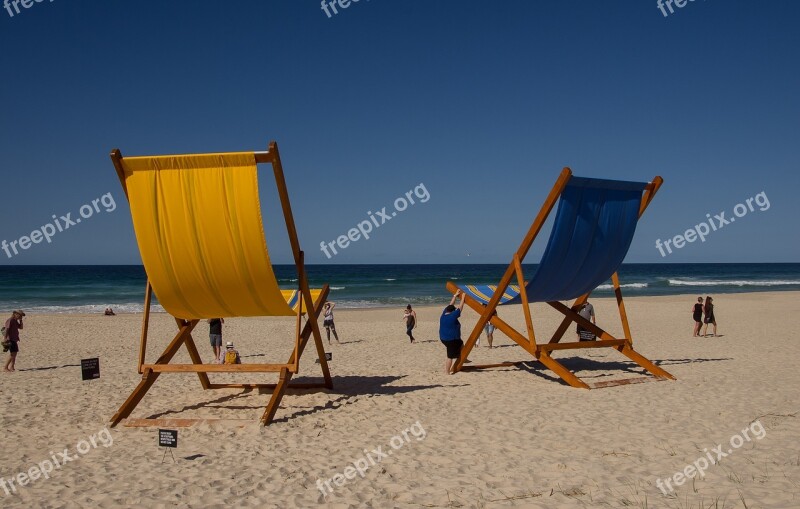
{"points": [[168, 438], [90, 369]]}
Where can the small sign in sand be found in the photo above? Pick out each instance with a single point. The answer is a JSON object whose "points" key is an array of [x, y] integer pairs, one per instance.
{"points": [[168, 438], [90, 369]]}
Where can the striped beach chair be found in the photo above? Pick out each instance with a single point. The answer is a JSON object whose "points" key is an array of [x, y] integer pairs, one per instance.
{"points": [[591, 234]]}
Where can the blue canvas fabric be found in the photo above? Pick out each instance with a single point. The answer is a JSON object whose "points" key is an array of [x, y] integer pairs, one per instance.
{"points": [[592, 232]]}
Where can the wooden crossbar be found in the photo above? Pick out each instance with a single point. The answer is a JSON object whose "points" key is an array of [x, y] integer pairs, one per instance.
{"points": [[181, 423], [506, 364], [582, 344], [295, 385], [216, 368]]}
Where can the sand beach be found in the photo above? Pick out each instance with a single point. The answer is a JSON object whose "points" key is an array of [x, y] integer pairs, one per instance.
{"points": [[508, 437]]}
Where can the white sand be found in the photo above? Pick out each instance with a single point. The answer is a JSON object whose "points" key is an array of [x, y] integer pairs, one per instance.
{"points": [[509, 437]]}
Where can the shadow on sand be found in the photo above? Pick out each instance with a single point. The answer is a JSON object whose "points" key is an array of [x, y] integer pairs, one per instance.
{"points": [[588, 369], [47, 368], [348, 388]]}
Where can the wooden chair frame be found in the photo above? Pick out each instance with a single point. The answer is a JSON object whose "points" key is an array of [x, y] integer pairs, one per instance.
{"points": [[543, 352], [151, 372]]}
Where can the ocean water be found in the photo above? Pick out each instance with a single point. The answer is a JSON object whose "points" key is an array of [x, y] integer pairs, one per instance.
{"points": [[89, 289]]}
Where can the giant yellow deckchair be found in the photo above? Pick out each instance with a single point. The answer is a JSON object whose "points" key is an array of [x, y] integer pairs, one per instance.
{"points": [[197, 220], [591, 235]]}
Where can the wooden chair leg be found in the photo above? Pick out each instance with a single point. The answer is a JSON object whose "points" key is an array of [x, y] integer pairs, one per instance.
{"points": [[286, 375], [644, 362], [196, 359], [559, 369], [323, 361], [623, 315], [313, 330], [277, 395], [308, 331], [148, 378], [571, 315], [567, 321]]}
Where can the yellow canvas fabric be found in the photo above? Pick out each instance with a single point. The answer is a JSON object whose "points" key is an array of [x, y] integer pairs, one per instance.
{"points": [[198, 224]]}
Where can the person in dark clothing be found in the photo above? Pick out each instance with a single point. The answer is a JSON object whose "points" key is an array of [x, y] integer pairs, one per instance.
{"points": [[708, 310], [450, 331], [697, 315], [410, 317], [215, 336], [11, 333]]}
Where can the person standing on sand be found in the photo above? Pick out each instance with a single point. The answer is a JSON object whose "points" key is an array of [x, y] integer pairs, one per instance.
{"points": [[450, 331], [489, 330], [12, 328], [327, 321], [215, 336], [410, 317], [697, 315], [708, 309], [586, 311]]}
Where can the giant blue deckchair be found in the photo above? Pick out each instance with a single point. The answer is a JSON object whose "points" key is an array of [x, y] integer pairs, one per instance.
{"points": [[591, 235]]}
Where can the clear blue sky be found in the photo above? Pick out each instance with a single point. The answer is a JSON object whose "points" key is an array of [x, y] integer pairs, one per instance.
{"points": [[482, 102]]}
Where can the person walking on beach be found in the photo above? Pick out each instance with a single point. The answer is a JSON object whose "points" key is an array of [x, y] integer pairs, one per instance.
{"points": [[450, 331], [215, 336], [586, 311], [697, 315], [327, 321], [708, 309], [410, 317], [11, 333]]}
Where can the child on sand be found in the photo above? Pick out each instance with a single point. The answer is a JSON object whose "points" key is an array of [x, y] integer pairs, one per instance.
{"points": [[231, 355], [450, 331]]}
